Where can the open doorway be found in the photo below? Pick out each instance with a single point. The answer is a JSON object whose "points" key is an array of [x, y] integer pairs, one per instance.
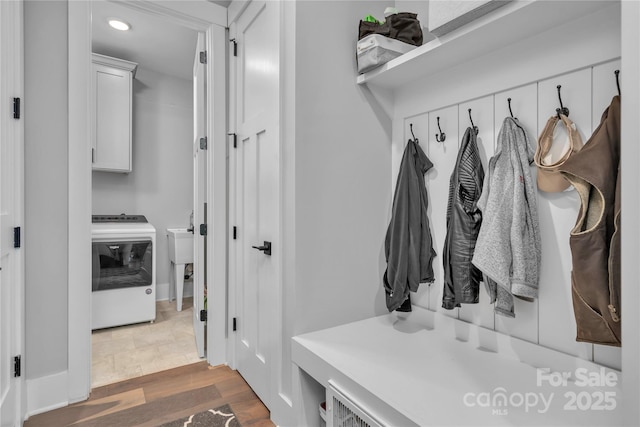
{"points": [[160, 187], [202, 16]]}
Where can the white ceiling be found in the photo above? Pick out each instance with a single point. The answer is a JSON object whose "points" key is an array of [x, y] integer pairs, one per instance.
{"points": [[154, 43]]}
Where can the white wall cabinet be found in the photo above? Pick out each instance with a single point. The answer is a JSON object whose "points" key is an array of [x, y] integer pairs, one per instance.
{"points": [[111, 118]]}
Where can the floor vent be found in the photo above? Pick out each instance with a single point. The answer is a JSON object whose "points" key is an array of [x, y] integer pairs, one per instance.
{"points": [[344, 412]]}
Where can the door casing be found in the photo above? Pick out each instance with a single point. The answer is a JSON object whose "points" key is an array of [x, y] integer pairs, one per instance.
{"points": [[12, 289], [200, 172], [197, 15]]}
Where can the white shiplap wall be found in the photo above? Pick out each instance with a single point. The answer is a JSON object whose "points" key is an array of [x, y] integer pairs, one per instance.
{"points": [[528, 72]]}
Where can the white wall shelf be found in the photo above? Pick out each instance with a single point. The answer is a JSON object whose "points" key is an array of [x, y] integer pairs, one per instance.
{"points": [[509, 24]]}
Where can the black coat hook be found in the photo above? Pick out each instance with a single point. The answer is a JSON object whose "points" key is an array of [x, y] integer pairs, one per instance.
{"points": [[414, 137], [442, 136], [510, 112], [562, 110], [475, 128], [617, 73]]}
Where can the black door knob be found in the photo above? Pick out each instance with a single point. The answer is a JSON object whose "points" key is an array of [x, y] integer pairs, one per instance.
{"points": [[266, 248]]}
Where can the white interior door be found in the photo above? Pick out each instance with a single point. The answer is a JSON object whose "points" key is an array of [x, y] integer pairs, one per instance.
{"points": [[11, 196], [255, 171], [199, 196]]}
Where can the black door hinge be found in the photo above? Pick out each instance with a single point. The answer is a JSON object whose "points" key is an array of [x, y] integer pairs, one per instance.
{"points": [[235, 232], [16, 237], [17, 366], [235, 139], [203, 143], [203, 57], [235, 46], [16, 108], [235, 324], [203, 229], [203, 315]]}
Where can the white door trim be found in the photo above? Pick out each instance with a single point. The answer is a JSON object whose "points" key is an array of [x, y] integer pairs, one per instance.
{"points": [[199, 184], [12, 85], [630, 155], [79, 227], [199, 15]]}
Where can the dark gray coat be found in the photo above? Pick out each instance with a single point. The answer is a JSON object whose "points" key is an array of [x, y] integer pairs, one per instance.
{"points": [[408, 245]]}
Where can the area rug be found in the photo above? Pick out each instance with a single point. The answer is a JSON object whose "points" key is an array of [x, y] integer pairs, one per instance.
{"points": [[219, 417]]}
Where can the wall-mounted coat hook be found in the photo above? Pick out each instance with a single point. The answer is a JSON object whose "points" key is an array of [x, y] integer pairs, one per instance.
{"points": [[617, 73], [441, 136], [414, 137], [510, 112], [562, 110], [475, 128]]}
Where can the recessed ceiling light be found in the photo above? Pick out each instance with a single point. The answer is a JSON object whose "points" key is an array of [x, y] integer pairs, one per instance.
{"points": [[119, 25]]}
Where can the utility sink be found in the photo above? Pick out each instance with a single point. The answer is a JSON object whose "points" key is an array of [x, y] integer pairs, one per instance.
{"points": [[180, 253], [180, 245]]}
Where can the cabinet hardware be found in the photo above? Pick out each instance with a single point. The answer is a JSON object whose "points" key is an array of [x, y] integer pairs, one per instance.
{"points": [[475, 128], [17, 366], [235, 46], [16, 108], [442, 136], [266, 248], [16, 237], [562, 110]]}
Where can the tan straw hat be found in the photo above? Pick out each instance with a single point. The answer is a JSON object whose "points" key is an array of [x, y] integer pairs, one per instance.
{"points": [[549, 179]]}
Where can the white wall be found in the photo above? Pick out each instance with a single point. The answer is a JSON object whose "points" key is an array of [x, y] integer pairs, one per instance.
{"points": [[528, 72], [336, 164], [630, 241], [160, 185], [46, 194], [342, 165], [343, 195]]}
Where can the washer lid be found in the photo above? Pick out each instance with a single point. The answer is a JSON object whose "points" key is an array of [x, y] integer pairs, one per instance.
{"points": [[128, 228], [122, 218]]}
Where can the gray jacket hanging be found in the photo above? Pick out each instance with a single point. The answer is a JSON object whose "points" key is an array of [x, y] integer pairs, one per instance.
{"points": [[408, 244], [508, 246], [461, 278]]}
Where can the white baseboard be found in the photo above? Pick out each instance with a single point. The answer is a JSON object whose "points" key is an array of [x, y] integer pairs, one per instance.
{"points": [[47, 393], [162, 290]]}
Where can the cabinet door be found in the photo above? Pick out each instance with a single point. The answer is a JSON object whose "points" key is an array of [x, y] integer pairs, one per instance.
{"points": [[112, 119]]}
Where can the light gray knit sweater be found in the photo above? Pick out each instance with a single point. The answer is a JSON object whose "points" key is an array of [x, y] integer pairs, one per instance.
{"points": [[508, 246]]}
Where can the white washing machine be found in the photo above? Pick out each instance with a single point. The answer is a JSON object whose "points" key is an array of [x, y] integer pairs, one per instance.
{"points": [[124, 270]]}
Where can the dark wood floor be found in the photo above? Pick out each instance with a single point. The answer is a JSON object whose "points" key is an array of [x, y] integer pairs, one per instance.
{"points": [[162, 397]]}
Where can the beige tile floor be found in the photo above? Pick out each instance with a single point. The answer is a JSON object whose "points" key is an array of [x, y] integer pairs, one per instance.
{"points": [[131, 351]]}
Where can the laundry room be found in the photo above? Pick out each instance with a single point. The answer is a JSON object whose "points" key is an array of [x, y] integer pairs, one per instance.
{"points": [[142, 186]]}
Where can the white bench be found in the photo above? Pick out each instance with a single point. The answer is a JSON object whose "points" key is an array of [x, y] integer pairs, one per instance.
{"points": [[425, 368]]}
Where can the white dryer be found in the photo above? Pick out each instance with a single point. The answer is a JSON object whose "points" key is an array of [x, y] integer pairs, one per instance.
{"points": [[124, 270]]}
